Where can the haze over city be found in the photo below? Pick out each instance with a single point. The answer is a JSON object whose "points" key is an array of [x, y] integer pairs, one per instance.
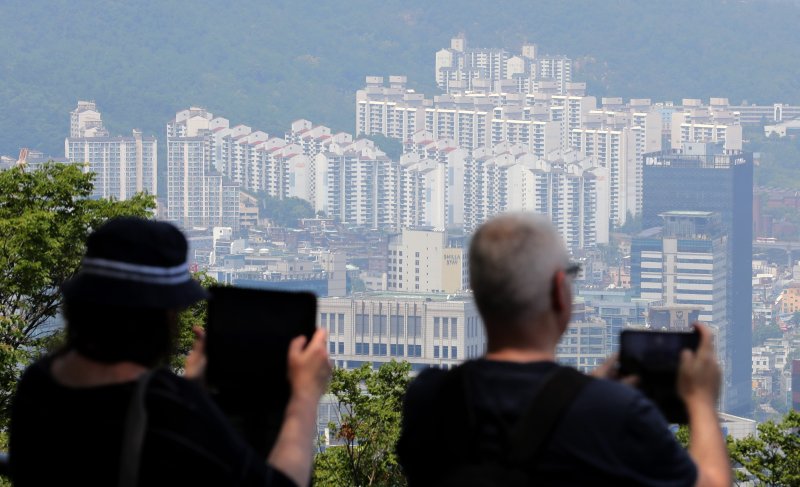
{"points": [[353, 150]]}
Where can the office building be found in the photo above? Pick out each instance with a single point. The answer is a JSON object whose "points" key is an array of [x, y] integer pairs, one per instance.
{"points": [[122, 166], [427, 330], [684, 263], [618, 308], [707, 178], [584, 345]]}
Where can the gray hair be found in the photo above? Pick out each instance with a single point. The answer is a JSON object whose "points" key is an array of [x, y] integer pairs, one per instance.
{"points": [[512, 260]]}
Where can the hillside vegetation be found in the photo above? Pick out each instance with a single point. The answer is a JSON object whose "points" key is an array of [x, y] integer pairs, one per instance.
{"points": [[268, 63]]}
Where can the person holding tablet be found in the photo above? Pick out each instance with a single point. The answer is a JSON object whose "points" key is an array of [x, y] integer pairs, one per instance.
{"points": [[103, 412], [515, 417]]}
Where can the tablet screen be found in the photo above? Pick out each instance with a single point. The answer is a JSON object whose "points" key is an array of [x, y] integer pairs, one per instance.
{"points": [[247, 340]]}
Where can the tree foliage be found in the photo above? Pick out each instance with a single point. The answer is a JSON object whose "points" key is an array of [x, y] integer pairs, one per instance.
{"points": [[779, 159], [285, 212], [393, 148], [773, 456], [369, 406], [762, 332], [45, 217], [193, 316]]}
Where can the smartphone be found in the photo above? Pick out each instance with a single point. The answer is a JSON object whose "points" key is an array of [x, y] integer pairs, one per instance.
{"points": [[654, 357], [247, 342]]}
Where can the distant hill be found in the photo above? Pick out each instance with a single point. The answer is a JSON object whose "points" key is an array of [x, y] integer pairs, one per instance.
{"points": [[268, 63]]}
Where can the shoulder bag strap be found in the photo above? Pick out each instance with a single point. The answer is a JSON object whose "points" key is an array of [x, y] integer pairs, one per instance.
{"points": [[133, 439], [535, 427], [455, 418]]}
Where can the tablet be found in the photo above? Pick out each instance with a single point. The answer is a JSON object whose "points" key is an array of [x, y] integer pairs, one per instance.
{"points": [[654, 357], [247, 339]]}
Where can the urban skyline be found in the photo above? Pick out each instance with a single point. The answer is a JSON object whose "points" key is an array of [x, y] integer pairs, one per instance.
{"points": [[542, 145]]}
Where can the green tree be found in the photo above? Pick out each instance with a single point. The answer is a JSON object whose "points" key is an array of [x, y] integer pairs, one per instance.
{"points": [[683, 436], [632, 225], [45, 217], [286, 212], [773, 456], [4, 482], [761, 333], [193, 316], [369, 406], [393, 148]]}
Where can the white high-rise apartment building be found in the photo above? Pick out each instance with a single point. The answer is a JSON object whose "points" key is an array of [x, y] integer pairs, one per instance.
{"points": [[432, 182], [704, 125], [360, 185], [460, 69], [86, 121], [393, 110], [122, 166], [197, 192], [569, 188], [541, 122]]}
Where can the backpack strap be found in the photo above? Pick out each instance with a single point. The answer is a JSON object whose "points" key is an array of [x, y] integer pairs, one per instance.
{"points": [[529, 434], [535, 427], [135, 428]]}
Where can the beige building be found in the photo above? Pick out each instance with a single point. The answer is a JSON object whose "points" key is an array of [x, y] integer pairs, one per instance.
{"points": [[422, 261], [427, 330]]}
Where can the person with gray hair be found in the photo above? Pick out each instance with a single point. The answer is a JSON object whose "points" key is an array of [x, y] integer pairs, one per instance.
{"points": [[515, 417]]}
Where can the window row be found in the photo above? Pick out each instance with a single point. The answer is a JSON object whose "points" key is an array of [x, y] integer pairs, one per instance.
{"points": [[446, 352], [383, 349]]}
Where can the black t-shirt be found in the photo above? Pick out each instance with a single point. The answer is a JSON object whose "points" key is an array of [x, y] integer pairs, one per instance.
{"points": [[73, 436], [610, 435]]}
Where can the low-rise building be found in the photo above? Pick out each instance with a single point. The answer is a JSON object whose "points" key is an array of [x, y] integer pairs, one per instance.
{"points": [[427, 330]]}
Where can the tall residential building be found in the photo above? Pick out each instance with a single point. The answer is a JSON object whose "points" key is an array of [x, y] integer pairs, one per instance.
{"points": [[426, 261], [198, 195], [706, 124], [568, 188], [432, 182], [461, 69], [86, 121], [427, 330], [360, 185], [705, 177], [122, 166]]}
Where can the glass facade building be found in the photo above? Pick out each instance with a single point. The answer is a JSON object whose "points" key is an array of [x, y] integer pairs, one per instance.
{"points": [[704, 177]]}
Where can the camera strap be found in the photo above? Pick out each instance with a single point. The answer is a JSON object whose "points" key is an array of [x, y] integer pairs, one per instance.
{"points": [[133, 437]]}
